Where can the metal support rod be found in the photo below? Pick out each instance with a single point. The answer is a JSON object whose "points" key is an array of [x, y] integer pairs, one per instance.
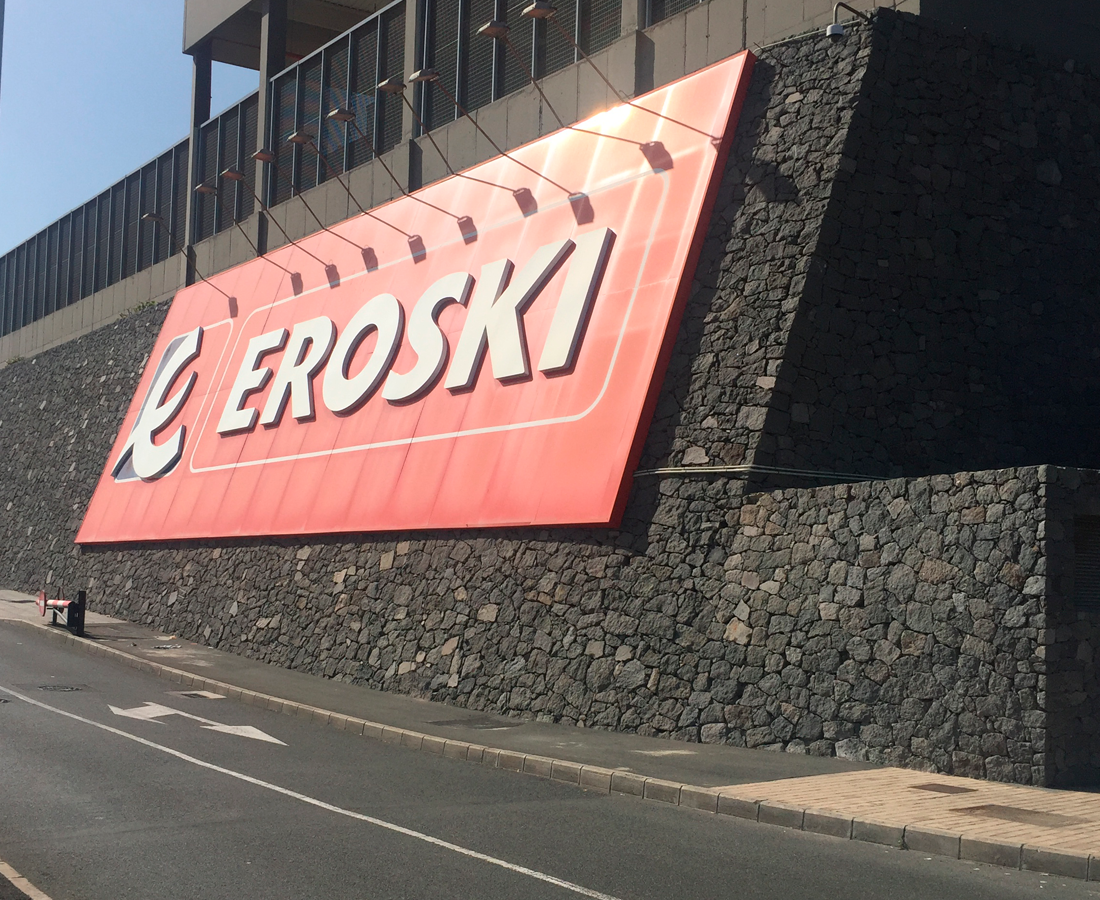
{"points": [[438, 82], [498, 31], [234, 175], [212, 191], [394, 86], [838, 7], [270, 158], [310, 141], [157, 220], [346, 115], [588, 59]]}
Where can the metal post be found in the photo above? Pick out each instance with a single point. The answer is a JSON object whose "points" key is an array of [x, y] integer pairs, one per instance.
{"points": [[200, 112], [272, 61]]}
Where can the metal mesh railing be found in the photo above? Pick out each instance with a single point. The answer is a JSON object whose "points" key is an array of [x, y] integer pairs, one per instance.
{"points": [[657, 10], [344, 73], [95, 245], [478, 70], [225, 142]]}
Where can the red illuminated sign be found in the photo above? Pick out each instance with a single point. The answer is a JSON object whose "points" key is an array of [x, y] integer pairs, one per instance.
{"points": [[485, 352]]}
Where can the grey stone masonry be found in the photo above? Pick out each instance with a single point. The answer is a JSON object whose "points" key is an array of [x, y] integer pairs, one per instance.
{"points": [[924, 621]]}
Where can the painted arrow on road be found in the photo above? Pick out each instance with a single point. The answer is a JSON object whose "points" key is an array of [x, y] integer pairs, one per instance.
{"points": [[150, 712]]}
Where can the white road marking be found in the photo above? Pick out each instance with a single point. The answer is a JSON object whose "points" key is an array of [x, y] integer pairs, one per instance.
{"points": [[321, 804], [20, 882], [150, 712]]}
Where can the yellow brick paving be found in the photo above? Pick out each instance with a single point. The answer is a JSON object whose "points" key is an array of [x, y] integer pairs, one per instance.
{"points": [[892, 797]]}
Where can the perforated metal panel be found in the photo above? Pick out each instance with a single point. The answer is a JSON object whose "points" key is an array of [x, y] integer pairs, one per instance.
{"points": [[1086, 562], [246, 201], [88, 264], [309, 106], [663, 9], [205, 205], [53, 246], [284, 98], [391, 51], [41, 268], [441, 54], [228, 141], [117, 232], [554, 49], [130, 225], [518, 65], [334, 94], [600, 24], [479, 55], [5, 295], [179, 194], [364, 78], [20, 316], [147, 202]]}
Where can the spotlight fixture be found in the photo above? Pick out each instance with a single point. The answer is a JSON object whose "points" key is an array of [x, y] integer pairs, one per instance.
{"points": [[835, 32], [540, 9]]}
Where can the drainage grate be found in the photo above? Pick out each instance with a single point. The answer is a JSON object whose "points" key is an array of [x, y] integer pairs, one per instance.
{"points": [[484, 723], [198, 695], [58, 688], [943, 788], [1023, 816]]}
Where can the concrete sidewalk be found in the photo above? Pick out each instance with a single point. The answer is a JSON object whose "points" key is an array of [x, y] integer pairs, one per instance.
{"points": [[1007, 825]]}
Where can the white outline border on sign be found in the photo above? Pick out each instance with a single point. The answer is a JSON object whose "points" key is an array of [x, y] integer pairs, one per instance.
{"points": [[489, 429]]}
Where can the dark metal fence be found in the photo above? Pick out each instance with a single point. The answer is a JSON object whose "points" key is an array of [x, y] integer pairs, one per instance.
{"points": [[96, 244], [105, 240], [658, 10], [226, 142], [478, 70], [344, 73]]}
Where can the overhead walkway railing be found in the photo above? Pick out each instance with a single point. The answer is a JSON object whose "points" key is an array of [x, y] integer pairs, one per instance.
{"points": [[95, 245]]}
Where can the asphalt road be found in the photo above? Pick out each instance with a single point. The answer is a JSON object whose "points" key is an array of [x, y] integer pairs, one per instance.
{"points": [[97, 805]]}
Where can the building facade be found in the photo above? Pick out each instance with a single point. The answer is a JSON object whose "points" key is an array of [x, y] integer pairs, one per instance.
{"points": [[864, 516]]}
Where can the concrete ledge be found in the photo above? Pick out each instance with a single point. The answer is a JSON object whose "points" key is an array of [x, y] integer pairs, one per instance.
{"points": [[596, 778], [1055, 862], [699, 798], [996, 854], [664, 791], [742, 808], [627, 783], [874, 832], [541, 766], [567, 772], [820, 821], [782, 814], [931, 840]]}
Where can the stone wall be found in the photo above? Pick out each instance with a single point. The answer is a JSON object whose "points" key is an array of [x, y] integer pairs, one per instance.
{"points": [[905, 621], [951, 320]]}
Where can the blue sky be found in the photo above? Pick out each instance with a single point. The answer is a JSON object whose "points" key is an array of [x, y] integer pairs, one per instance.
{"points": [[89, 92]]}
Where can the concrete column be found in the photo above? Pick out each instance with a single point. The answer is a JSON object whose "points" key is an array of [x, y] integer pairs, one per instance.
{"points": [[414, 30], [272, 61], [200, 112], [633, 18]]}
